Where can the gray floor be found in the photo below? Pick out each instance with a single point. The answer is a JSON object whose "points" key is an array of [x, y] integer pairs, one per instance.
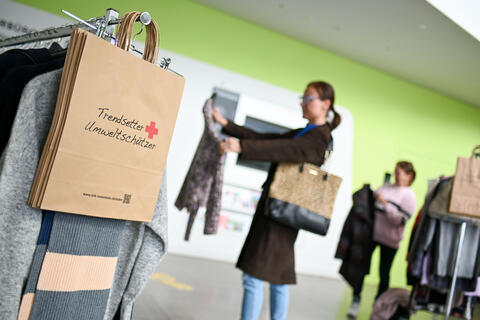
{"points": [[186, 288]]}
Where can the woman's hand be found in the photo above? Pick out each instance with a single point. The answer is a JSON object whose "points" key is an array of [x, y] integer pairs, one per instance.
{"points": [[230, 145], [381, 199], [217, 116]]}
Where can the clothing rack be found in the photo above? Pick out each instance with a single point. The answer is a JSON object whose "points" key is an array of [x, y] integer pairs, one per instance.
{"points": [[103, 27], [460, 241], [463, 221]]}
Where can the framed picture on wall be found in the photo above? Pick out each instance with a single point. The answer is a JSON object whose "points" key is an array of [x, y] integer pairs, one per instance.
{"points": [[240, 199]]}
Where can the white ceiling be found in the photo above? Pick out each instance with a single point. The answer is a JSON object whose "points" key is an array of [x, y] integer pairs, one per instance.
{"points": [[407, 38]]}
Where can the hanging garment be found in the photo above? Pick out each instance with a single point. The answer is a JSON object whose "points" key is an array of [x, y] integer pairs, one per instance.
{"points": [[11, 88], [57, 288], [356, 240], [18, 68], [444, 283], [142, 248], [18, 57], [204, 180], [422, 240], [387, 304], [446, 250], [78, 268], [36, 267], [19, 223]]}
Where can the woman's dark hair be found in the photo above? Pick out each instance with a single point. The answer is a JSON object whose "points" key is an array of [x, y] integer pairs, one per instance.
{"points": [[407, 166], [326, 92]]}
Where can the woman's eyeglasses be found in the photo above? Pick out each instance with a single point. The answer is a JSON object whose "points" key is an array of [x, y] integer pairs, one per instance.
{"points": [[307, 99]]}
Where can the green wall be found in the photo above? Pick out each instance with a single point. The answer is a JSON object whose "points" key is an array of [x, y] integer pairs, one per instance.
{"points": [[394, 119]]}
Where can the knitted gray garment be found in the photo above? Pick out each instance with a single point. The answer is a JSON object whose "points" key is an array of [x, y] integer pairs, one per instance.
{"points": [[19, 223], [143, 244], [142, 248]]}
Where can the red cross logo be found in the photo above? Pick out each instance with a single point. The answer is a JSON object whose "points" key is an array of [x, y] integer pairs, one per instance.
{"points": [[151, 130]]}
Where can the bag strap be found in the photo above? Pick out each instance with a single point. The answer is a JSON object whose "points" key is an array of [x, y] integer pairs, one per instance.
{"points": [[327, 154], [329, 149], [476, 152], [125, 31], [402, 211]]}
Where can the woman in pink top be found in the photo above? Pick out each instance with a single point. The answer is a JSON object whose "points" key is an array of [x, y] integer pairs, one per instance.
{"points": [[395, 204]]}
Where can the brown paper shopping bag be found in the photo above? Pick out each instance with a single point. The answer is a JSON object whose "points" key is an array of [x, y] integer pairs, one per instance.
{"points": [[71, 63], [465, 198], [106, 152], [63, 106]]}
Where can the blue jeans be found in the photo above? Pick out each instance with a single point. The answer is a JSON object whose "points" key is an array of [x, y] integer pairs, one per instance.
{"points": [[253, 299]]}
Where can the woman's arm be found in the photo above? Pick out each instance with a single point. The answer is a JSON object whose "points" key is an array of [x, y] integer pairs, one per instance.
{"points": [[307, 148], [240, 132], [408, 204]]}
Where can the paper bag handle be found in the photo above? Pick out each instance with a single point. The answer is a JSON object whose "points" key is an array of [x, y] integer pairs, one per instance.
{"points": [[476, 152], [125, 31]]}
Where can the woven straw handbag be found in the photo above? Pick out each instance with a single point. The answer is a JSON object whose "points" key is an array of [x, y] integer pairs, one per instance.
{"points": [[302, 196]]}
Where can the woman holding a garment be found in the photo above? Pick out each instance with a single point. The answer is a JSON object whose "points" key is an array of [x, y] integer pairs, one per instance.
{"points": [[268, 252]]}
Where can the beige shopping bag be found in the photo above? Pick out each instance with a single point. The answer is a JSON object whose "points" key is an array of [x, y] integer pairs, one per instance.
{"points": [[62, 105], [108, 144], [71, 63], [465, 198]]}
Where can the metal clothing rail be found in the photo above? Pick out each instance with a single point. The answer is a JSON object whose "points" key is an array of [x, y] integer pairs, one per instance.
{"points": [[103, 27], [47, 34], [94, 24]]}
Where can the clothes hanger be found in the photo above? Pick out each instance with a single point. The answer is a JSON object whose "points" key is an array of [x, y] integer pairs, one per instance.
{"points": [[56, 50], [476, 152]]}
